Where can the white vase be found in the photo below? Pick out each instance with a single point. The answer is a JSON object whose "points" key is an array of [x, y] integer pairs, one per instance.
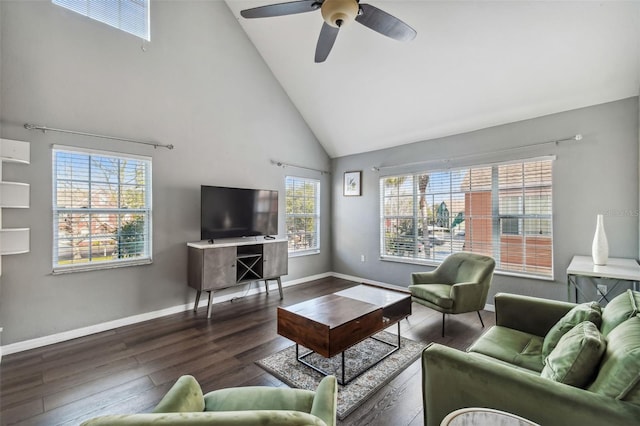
{"points": [[600, 246]]}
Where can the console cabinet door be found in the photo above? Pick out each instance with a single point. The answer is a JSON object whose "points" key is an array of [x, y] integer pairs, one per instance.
{"points": [[212, 268], [219, 268], [275, 259]]}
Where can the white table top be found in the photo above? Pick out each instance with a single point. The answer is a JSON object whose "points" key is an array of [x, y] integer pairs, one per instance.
{"points": [[233, 242], [616, 268], [484, 417]]}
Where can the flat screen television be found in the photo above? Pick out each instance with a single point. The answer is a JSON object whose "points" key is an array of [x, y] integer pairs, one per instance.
{"points": [[237, 212]]}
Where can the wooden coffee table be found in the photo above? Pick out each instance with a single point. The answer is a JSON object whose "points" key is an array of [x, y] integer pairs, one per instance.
{"points": [[329, 325]]}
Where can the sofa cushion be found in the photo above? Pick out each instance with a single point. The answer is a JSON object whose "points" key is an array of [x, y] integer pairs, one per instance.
{"points": [[575, 358], [258, 398], [619, 374], [589, 311], [438, 294], [620, 309], [515, 347]]}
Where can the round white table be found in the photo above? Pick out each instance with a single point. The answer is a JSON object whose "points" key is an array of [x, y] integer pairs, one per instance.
{"points": [[484, 417]]}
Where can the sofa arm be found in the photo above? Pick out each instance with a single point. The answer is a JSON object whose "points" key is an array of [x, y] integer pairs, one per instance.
{"points": [[532, 315], [184, 396], [467, 297], [431, 277], [325, 401], [452, 379], [228, 418]]}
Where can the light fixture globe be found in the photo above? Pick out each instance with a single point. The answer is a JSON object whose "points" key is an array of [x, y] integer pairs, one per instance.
{"points": [[339, 12]]}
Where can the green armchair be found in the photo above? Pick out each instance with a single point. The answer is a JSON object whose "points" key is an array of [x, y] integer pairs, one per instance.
{"points": [[459, 284], [185, 404]]}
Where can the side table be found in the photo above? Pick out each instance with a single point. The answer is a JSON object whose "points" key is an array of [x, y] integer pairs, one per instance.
{"points": [[484, 417], [618, 269]]}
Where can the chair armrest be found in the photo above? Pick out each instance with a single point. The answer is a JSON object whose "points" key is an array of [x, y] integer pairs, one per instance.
{"points": [[532, 315], [467, 297], [229, 418], [453, 379], [325, 402], [431, 277], [184, 396]]}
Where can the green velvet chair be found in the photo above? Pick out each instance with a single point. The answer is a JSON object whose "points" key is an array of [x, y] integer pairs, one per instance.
{"points": [[459, 284], [185, 404]]}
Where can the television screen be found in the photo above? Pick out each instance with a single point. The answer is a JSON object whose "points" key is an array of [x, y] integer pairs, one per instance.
{"points": [[237, 212]]}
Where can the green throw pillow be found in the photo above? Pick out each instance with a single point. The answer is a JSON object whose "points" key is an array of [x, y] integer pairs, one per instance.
{"points": [[589, 311], [575, 359], [619, 375], [620, 309]]}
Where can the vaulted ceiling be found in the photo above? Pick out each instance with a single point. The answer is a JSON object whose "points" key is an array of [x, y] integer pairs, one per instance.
{"points": [[473, 64]]}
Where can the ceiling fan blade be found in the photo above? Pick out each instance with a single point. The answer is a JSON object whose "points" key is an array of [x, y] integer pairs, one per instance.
{"points": [[380, 21], [281, 9], [327, 37]]}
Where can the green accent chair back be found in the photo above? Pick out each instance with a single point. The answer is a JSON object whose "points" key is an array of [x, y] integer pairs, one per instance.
{"points": [[459, 284], [185, 404]]}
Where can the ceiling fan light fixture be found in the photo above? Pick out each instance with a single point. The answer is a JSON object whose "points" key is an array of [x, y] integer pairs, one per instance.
{"points": [[339, 12]]}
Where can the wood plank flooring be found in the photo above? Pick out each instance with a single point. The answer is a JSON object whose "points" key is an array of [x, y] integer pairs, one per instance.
{"points": [[128, 370]]}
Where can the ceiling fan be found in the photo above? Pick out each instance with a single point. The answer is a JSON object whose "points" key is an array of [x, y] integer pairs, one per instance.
{"points": [[337, 13]]}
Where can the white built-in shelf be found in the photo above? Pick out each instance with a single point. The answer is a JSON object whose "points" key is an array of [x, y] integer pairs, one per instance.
{"points": [[14, 241], [14, 195], [15, 151]]}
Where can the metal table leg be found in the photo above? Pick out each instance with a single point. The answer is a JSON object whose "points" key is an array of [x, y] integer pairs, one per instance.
{"points": [[343, 380]]}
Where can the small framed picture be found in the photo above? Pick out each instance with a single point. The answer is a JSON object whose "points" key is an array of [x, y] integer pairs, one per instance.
{"points": [[352, 184]]}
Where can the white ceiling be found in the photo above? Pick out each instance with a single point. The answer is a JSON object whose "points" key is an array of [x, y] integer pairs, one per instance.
{"points": [[474, 64]]}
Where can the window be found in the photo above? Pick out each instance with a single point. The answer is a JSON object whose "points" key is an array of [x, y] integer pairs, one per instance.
{"points": [[303, 214], [101, 209], [131, 16], [502, 210]]}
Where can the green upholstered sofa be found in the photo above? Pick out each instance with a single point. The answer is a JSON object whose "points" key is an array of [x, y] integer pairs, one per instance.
{"points": [[185, 404], [504, 369]]}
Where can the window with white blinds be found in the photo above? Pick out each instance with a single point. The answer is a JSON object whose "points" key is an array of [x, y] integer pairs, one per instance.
{"points": [[101, 209], [502, 210], [131, 16], [302, 214]]}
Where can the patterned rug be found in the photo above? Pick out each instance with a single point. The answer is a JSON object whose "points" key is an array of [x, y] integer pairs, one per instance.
{"points": [[285, 367]]}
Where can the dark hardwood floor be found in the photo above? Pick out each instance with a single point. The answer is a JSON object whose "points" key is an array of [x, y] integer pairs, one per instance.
{"points": [[128, 370]]}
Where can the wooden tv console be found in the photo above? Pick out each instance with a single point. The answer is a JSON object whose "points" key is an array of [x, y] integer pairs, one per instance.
{"points": [[235, 261]]}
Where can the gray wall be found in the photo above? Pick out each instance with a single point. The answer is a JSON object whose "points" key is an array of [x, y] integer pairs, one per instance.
{"points": [[200, 85], [592, 176]]}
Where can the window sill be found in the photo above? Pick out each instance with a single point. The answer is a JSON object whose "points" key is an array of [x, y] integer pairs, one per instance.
{"points": [[436, 263], [304, 253], [60, 270]]}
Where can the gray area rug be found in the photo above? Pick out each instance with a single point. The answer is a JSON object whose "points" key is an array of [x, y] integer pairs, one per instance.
{"points": [[285, 367]]}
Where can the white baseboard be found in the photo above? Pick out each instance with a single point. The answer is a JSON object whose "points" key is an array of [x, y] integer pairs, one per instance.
{"points": [[367, 281], [110, 325], [225, 297]]}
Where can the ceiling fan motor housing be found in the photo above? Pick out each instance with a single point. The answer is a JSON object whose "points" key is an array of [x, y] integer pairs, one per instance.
{"points": [[339, 12]]}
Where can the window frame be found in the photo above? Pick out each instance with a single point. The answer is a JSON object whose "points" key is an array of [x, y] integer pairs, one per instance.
{"points": [[147, 211], [84, 8], [293, 252], [418, 253]]}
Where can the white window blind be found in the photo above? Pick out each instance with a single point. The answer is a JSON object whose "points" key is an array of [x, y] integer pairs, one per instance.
{"points": [[101, 209], [131, 16], [503, 210], [303, 214]]}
